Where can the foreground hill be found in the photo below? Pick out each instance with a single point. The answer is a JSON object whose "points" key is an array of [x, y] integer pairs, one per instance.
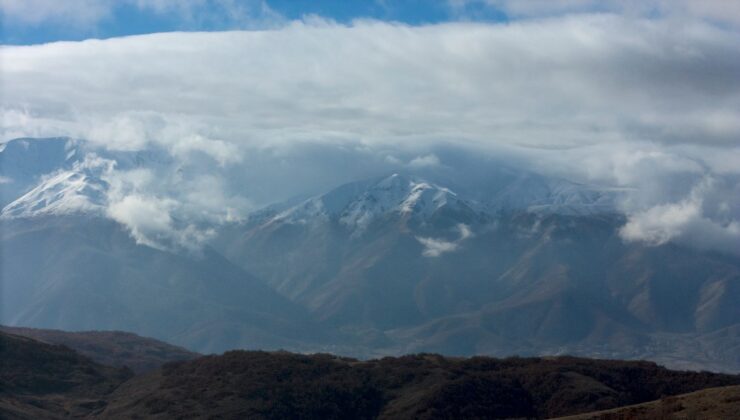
{"points": [[243, 384], [112, 348], [712, 403], [42, 381]]}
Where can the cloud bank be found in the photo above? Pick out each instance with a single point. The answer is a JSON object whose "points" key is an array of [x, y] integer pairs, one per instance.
{"points": [[651, 106]]}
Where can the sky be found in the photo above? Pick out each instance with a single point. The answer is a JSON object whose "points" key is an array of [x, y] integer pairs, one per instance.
{"points": [[303, 95]]}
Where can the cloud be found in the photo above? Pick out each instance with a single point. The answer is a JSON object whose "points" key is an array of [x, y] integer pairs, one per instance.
{"points": [[424, 161], [169, 206], [687, 221], [145, 216], [434, 248], [718, 10], [86, 15], [150, 223], [647, 105], [559, 83]]}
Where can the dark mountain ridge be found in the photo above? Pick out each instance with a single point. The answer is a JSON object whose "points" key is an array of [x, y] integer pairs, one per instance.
{"points": [[111, 348]]}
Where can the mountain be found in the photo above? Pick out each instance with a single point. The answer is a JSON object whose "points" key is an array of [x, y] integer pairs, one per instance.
{"points": [[61, 176], [87, 273], [486, 260], [409, 265], [80, 189], [111, 348], [24, 161], [43, 381]]}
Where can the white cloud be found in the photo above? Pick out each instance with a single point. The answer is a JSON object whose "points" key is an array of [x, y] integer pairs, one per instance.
{"points": [[434, 247], [686, 221], [719, 10], [647, 105], [86, 15], [465, 231], [71, 12], [166, 208], [424, 161], [558, 83], [122, 132], [145, 216], [150, 222]]}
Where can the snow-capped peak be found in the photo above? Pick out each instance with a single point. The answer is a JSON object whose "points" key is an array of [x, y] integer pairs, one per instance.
{"points": [[81, 189], [357, 205]]}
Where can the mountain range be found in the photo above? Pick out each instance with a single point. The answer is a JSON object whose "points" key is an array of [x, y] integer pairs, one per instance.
{"points": [[512, 262]]}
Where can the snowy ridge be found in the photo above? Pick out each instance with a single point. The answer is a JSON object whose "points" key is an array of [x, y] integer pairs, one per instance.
{"points": [[357, 205], [78, 190], [538, 194]]}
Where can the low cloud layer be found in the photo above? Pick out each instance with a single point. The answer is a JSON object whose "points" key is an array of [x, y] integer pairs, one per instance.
{"points": [[649, 106], [557, 83]]}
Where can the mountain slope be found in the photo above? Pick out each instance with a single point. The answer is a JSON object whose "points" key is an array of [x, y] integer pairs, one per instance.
{"points": [[102, 279], [491, 260], [24, 161], [111, 348], [461, 280], [49, 381], [712, 403], [81, 189]]}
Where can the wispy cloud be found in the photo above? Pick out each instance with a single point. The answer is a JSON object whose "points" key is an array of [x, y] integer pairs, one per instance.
{"points": [[717, 10], [424, 161], [86, 15], [435, 247]]}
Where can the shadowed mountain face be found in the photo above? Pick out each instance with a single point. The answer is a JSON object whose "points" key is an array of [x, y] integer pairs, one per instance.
{"points": [[76, 274], [47, 381], [503, 262], [41, 380]]}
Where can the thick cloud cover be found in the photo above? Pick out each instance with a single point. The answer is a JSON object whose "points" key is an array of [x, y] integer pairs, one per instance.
{"points": [[652, 106]]}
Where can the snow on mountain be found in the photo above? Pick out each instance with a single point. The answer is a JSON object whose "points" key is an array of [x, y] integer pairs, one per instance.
{"points": [[357, 205], [24, 161], [45, 176], [62, 175], [539, 194], [80, 189]]}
